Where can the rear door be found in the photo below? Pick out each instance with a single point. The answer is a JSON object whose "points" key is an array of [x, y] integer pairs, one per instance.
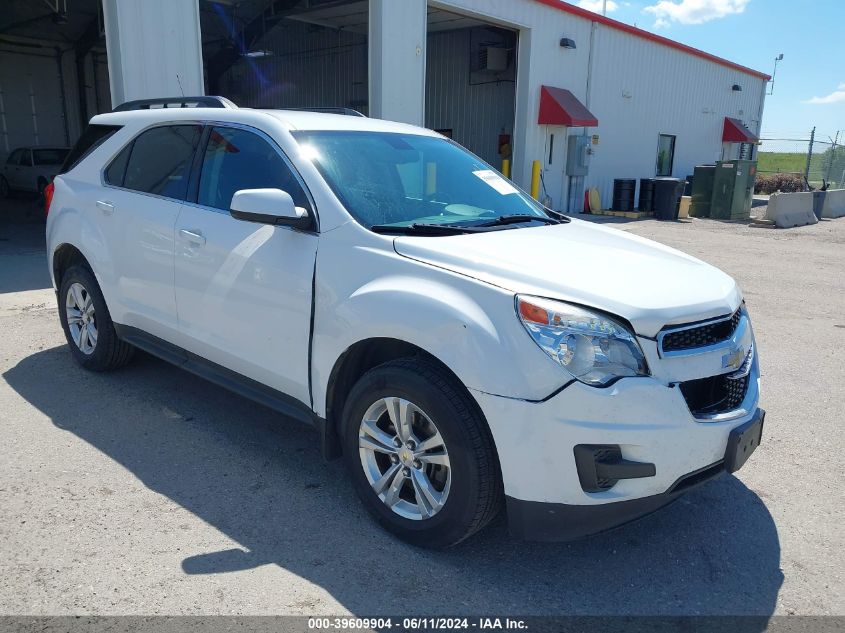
{"points": [[244, 290], [146, 185]]}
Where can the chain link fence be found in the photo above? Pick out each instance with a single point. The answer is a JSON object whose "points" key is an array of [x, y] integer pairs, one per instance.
{"points": [[803, 161]]}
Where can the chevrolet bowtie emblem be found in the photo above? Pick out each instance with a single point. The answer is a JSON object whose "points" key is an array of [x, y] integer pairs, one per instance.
{"points": [[734, 359]]}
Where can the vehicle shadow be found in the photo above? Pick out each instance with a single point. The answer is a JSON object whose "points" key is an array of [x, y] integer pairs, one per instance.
{"points": [[259, 479]]}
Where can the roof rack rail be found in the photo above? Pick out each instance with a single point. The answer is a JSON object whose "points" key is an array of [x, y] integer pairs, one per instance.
{"points": [[176, 102], [346, 111]]}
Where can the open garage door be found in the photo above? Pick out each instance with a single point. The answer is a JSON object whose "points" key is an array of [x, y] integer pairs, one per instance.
{"points": [[471, 83], [287, 53], [53, 71]]}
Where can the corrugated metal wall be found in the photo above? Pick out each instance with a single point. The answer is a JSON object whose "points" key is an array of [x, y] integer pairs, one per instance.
{"points": [[670, 92], [310, 66], [476, 108], [31, 93], [641, 89], [30, 100]]}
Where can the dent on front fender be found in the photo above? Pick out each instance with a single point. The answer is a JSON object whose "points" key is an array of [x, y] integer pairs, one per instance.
{"points": [[470, 326]]}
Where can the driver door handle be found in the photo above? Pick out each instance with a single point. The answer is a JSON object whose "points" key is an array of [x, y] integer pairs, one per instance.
{"points": [[194, 237]]}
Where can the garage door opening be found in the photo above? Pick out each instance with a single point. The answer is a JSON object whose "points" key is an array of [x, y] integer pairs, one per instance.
{"points": [[471, 83], [287, 53]]}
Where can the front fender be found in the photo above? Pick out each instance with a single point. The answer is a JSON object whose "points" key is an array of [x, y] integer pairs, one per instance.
{"points": [[470, 326]]}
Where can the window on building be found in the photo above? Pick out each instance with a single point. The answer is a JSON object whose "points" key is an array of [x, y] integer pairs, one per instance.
{"points": [[665, 154], [160, 161], [236, 159]]}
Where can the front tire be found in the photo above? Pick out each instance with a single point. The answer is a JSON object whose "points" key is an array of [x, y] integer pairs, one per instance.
{"points": [[420, 453], [87, 324]]}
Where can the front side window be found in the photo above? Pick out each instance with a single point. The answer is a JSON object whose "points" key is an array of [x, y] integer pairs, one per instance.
{"points": [[26, 158], [160, 160], [15, 157], [400, 180], [237, 159], [665, 154]]}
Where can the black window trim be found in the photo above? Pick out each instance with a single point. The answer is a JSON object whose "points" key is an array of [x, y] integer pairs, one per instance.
{"points": [[196, 169], [131, 142]]}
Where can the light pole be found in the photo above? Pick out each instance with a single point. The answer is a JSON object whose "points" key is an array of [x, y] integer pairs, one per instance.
{"points": [[772, 80]]}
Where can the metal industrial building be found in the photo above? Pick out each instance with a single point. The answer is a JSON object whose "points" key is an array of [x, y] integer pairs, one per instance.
{"points": [[506, 78]]}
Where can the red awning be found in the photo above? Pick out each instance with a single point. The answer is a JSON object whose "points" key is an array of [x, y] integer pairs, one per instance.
{"points": [[561, 107], [736, 132]]}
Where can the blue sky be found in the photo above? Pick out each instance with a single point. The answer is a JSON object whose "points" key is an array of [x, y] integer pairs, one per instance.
{"points": [[809, 86]]}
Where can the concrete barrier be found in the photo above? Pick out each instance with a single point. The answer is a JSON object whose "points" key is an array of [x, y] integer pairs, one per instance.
{"points": [[834, 204], [791, 209]]}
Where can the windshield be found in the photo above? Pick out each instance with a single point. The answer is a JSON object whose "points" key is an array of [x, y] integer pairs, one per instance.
{"points": [[388, 179]]}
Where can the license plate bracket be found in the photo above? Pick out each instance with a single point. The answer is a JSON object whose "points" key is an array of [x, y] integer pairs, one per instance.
{"points": [[743, 441]]}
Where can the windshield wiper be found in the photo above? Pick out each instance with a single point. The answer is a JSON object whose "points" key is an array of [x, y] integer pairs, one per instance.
{"points": [[423, 229], [504, 220]]}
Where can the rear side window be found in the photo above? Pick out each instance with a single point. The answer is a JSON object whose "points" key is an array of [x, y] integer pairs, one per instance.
{"points": [[94, 136], [236, 159], [160, 160]]}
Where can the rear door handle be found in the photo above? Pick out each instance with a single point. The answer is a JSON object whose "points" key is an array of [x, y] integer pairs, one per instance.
{"points": [[105, 206], [195, 237]]}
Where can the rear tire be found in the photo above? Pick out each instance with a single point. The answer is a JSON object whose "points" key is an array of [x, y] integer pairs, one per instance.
{"points": [[439, 481], [87, 323], [5, 190]]}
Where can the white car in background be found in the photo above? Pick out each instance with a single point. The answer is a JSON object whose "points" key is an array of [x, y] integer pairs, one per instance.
{"points": [[463, 348], [31, 169]]}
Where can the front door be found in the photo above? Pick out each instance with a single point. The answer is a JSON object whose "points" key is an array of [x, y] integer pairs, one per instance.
{"points": [[244, 290]]}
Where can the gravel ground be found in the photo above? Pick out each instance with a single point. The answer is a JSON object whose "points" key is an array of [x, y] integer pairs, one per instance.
{"points": [[149, 491]]}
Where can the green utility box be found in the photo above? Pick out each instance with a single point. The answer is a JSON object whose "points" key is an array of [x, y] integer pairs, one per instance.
{"points": [[733, 189], [702, 191]]}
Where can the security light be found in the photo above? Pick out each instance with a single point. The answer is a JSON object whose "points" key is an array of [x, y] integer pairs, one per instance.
{"points": [[736, 88], [566, 42]]}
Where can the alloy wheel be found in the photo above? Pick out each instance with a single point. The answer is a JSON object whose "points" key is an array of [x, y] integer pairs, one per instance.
{"points": [[81, 318], [404, 458]]}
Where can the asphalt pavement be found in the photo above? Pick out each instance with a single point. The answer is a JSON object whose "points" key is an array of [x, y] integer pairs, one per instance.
{"points": [[150, 491]]}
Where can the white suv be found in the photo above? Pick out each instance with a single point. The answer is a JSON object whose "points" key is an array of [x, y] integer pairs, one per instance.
{"points": [[462, 347]]}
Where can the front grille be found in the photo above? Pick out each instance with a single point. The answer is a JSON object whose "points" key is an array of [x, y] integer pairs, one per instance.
{"points": [[714, 395], [701, 336]]}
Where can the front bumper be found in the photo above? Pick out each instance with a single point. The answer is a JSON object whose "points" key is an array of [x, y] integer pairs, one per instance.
{"points": [[647, 420], [537, 521]]}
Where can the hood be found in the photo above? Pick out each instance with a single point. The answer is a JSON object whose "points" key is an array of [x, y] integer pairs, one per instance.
{"points": [[649, 284]]}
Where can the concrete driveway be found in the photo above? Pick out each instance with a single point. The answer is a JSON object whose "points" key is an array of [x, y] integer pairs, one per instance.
{"points": [[149, 491]]}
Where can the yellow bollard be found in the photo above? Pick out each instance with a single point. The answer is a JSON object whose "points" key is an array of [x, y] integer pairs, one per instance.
{"points": [[506, 168], [535, 180], [430, 179]]}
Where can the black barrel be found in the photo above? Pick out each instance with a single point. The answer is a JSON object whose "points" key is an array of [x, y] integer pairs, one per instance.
{"points": [[624, 191], [646, 195], [667, 197]]}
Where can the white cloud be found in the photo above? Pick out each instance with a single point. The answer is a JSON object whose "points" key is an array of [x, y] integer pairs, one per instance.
{"points": [[693, 11], [836, 96], [597, 5]]}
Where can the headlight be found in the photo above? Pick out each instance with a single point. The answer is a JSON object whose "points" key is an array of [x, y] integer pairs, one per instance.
{"points": [[593, 348]]}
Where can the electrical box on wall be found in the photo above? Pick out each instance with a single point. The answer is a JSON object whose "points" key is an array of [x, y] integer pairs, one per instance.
{"points": [[578, 155]]}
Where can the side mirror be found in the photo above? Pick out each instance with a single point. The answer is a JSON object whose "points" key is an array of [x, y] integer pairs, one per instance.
{"points": [[268, 206]]}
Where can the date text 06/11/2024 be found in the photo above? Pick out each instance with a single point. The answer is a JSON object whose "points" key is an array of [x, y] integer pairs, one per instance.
{"points": [[413, 624]]}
